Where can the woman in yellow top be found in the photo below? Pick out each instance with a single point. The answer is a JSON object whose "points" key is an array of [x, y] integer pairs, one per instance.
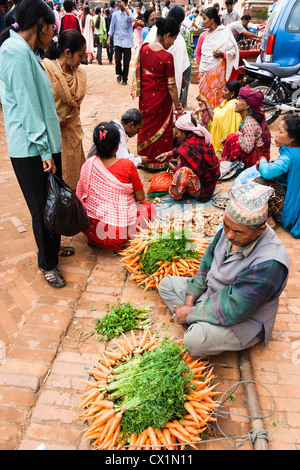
{"points": [[223, 119], [68, 79]]}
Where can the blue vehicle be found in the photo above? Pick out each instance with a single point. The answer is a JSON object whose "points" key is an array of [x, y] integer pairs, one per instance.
{"points": [[281, 39]]}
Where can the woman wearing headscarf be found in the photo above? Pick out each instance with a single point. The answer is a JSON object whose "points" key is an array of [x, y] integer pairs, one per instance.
{"points": [[253, 139], [68, 79], [283, 176], [197, 168]]}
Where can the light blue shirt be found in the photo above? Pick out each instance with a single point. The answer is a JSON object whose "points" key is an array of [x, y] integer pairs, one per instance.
{"points": [[30, 118], [121, 29], [277, 170]]}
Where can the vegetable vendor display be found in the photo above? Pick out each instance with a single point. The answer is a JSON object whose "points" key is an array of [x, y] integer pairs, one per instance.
{"points": [[148, 393], [161, 250], [120, 319]]}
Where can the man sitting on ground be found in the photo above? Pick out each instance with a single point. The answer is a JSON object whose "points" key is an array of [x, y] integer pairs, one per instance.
{"points": [[232, 302], [131, 122]]}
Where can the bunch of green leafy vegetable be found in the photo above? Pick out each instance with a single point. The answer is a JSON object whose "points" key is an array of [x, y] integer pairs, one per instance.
{"points": [[151, 388], [188, 37], [165, 246], [120, 319], [103, 40]]}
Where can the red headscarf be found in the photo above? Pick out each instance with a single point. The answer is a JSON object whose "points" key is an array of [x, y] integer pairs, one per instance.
{"points": [[254, 99]]}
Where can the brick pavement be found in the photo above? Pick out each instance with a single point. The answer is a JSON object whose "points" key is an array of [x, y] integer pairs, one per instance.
{"points": [[45, 334]]}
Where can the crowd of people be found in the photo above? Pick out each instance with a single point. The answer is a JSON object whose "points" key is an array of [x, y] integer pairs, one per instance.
{"points": [[44, 49]]}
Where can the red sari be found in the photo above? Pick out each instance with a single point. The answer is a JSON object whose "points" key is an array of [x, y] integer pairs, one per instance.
{"points": [[154, 71]]}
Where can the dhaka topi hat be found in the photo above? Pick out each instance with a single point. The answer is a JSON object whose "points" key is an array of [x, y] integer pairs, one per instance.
{"points": [[248, 204]]}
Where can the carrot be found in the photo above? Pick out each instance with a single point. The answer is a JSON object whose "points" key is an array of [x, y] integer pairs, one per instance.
{"points": [[108, 414], [168, 438], [133, 339], [114, 355], [105, 428], [115, 422], [89, 384], [197, 404], [128, 343], [103, 368], [107, 362], [142, 438], [105, 403], [94, 393], [181, 429], [115, 436], [162, 438], [143, 339], [180, 437], [153, 438], [133, 439], [192, 430], [149, 345], [97, 373], [191, 411]]}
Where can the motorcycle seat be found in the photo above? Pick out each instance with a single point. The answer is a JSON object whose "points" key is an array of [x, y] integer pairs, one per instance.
{"points": [[281, 72]]}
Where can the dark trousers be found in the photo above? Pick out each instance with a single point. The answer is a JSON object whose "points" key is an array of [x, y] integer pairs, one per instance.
{"points": [[33, 183], [110, 50], [125, 54]]}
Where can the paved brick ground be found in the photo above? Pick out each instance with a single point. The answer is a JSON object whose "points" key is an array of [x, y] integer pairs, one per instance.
{"points": [[45, 334]]}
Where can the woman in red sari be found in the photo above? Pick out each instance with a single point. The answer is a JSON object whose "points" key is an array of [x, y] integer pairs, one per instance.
{"points": [[252, 141], [154, 84]]}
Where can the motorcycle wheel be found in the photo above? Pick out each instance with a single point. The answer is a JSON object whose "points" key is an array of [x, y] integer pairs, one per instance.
{"points": [[271, 113]]}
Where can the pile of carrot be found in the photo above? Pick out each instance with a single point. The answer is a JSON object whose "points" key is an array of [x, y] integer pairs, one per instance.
{"points": [[104, 422], [138, 245]]}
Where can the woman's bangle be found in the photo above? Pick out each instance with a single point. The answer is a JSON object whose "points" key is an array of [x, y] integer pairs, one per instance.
{"points": [[178, 107]]}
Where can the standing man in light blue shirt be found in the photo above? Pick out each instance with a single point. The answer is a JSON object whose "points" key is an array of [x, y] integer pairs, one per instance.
{"points": [[122, 32]]}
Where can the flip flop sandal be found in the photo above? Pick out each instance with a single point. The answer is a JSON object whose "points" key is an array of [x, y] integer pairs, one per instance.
{"points": [[53, 277], [66, 251]]}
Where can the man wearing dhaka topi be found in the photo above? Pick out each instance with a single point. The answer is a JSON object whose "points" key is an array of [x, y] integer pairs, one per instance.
{"points": [[232, 302]]}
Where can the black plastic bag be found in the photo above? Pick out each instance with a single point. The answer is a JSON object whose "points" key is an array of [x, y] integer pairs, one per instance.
{"points": [[64, 213]]}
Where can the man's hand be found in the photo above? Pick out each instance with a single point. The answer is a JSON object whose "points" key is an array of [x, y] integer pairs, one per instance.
{"points": [[49, 165], [181, 312]]}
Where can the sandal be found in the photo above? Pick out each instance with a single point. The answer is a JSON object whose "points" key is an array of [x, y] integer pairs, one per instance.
{"points": [[53, 277], [66, 251]]}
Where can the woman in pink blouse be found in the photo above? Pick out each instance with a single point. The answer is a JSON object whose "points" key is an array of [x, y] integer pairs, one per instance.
{"points": [[252, 141]]}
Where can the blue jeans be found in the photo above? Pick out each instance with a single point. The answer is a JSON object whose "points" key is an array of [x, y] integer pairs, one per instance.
{"points": [[99, 48]]}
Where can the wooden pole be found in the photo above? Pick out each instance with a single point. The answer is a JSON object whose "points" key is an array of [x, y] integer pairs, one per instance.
{"points": [[253, 406]]}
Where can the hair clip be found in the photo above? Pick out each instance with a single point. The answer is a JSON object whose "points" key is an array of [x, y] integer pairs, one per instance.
{"points": [[55, 39], [102, 134], [16, 26]]}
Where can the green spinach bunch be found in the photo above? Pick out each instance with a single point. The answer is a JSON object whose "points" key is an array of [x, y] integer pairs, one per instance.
{"points": [[166, 246], [120, 319]]}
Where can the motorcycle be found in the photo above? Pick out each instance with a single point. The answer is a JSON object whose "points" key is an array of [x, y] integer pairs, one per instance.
{"points": [[280, 85]]}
